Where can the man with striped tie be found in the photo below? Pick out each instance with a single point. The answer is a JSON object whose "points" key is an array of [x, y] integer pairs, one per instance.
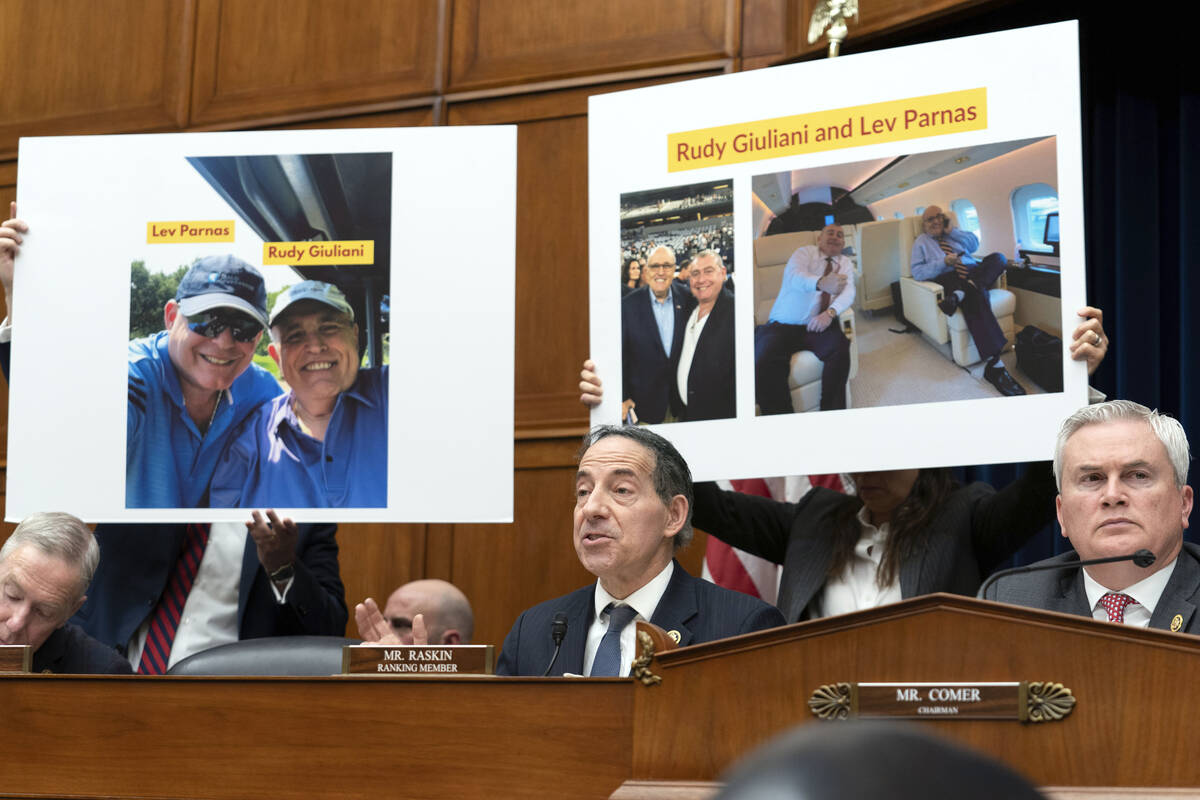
{"points": [[817, 286], [164, 592]]}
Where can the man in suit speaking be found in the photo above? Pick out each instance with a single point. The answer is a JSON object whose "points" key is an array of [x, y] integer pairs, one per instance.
{"points": [[633, 510], [1122, 479]]}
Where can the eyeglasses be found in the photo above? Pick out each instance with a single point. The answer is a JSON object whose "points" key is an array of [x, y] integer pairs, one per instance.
{"points": [[210, 324], [655, 267]]}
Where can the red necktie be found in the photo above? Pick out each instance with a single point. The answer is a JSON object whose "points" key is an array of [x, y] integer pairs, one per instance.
{"points": [[164, 622], [1114, 604]]}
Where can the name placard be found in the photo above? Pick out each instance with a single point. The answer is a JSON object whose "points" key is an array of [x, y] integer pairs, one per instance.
{"points": [[1026, 701], [422, 660], [16, 658], [310, 253], [176, 231]]}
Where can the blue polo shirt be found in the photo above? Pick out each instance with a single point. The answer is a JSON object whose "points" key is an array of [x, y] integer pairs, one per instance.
{"points": [[168, 462], [272, 463]]}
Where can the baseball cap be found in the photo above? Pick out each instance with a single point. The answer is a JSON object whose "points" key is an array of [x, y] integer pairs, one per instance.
{"points": [[223, 282], [320, 291]]}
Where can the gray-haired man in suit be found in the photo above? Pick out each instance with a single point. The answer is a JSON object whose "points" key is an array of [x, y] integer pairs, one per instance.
{"points": [[1122, 479]]}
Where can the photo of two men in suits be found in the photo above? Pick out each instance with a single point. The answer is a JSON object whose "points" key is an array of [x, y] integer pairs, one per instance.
{"points": [[677, 326]]}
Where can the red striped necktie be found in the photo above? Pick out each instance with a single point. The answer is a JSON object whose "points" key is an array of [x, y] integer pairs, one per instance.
{"points": [[164, 622]]}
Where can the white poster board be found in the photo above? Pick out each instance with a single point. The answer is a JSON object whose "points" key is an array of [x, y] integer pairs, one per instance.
{"points": [[720, 159], [391, 216]]}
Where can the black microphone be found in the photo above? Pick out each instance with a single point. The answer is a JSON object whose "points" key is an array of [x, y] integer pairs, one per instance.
{"points": [[558, 632], [1143, 558]]}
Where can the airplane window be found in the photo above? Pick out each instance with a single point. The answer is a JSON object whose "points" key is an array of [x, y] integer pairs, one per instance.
{"points": [[1030, 205], [968, 217]]}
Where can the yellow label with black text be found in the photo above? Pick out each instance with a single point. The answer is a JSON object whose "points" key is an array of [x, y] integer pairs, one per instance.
{"points": [[300, 253], [205, 230], [892, 121]]}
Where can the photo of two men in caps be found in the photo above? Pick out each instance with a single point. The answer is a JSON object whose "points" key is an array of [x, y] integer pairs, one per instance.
{"points": [[210, 425]]}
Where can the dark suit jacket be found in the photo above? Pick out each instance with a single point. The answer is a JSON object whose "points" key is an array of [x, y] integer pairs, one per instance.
{"points": [[1062, 590], [699, 610], [648, 373], [136, 560], [976, 529], [71, 651], [712, 393]]}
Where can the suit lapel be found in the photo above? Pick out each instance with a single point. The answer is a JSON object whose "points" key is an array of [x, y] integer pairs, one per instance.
{"points": [[910, 573], [1070, 597], [48, 657], [683, 311], [579, 610], [678, 605], [1178, 595], [716, 318], [808, 558]]}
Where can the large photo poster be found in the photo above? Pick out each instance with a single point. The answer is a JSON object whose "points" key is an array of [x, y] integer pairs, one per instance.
{"points": [[286, 337], [908, 231]]}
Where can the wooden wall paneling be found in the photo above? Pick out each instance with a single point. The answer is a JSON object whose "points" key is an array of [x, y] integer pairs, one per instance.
{"points": [[764, 32], [417, 117], [439, 551], [270, 57], [512, 42], [75, 66], [8, 186], [375, 558], [551, 290]]}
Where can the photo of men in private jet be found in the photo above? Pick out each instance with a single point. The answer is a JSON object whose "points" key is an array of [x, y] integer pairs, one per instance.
{"points": [[924, 278]]}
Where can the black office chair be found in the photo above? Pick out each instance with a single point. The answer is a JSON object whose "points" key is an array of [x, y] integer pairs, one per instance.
{"points": [[275, 655]]}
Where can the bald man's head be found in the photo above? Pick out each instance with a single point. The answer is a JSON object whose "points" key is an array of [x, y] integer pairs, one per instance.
{"points": [[448, 617]]}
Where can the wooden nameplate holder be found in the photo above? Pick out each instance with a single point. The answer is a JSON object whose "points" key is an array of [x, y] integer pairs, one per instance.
{"points": [[421, 660]]}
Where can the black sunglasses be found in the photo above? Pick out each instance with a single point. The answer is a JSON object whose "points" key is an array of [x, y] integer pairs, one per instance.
{"points": [[209, 324]]}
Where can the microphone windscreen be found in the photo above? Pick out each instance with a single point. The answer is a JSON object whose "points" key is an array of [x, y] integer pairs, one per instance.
{"points": [[1143, 558]]}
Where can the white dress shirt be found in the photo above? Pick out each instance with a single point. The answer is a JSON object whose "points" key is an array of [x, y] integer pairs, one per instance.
{"points": [[799, 299], [856, 588], [644, 601], [691, 335], [1146, 592]]}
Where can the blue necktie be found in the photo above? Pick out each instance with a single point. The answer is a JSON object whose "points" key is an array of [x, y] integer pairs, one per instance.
{"points": [[608, 656]]}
